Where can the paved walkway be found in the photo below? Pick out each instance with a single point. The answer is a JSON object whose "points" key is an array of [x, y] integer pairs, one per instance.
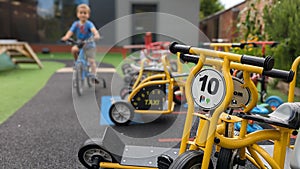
{"points": [[47, 132]]}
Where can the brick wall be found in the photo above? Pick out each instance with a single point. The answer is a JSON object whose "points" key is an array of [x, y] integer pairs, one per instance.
{"points": [[222, 25]]}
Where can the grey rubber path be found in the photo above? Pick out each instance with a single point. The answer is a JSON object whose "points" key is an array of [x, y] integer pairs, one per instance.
{"points": [[47, 132]]}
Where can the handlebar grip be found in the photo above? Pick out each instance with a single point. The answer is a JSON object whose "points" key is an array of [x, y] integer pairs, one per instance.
{"points": [[175, 47], [189, 58], [282, 74], [267, 63], [238, 45]]}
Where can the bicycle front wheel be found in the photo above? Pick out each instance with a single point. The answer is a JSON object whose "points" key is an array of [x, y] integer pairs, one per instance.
{"points": [[88, 78], [78, 78]]}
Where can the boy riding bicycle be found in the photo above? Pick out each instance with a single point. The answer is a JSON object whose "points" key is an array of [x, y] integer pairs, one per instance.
{"points": [[84, 29]]}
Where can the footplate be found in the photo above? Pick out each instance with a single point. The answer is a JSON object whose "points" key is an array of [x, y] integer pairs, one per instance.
{"points": [[145, 156]]}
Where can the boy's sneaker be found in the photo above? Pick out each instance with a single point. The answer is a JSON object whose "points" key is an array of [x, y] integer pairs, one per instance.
{"points": [[95, 79]]}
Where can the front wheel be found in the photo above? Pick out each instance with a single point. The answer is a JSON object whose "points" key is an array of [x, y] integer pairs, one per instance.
{"points": [[190, 160], [78, 78], [227, 158], [121, 113], [91, 155], [88, 78]]}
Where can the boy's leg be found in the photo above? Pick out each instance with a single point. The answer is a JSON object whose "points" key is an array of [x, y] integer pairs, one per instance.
{"points": [[74, 51], [94, 69], [90, 54]]}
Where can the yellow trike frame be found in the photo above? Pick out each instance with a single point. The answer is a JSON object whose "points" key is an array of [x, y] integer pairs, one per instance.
{"points": [[210, 128]]}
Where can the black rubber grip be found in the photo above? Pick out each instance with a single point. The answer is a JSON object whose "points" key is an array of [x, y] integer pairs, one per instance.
{"points": [[175, 47], [238, 45], [189, 58], [282, 74], [267, 63]]}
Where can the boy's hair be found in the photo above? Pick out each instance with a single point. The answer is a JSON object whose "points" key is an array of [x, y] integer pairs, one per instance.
{"points": [[84, 6]]}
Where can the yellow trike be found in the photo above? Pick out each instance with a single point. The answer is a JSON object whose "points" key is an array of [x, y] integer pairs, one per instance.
{"points": [[216, 127], [153, 94]]}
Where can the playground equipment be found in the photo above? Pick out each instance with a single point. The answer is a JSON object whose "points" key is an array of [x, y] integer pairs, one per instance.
{"points": [[148, 96], [82, 70], [19, 52], [214, 92]]}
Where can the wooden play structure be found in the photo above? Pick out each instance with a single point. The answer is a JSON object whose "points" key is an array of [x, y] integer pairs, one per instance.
{"points": [[19, 52]]}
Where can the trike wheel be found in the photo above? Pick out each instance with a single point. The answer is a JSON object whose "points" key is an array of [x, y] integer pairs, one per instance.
{"points": [[274, 102], [78, 78], [178, 96], [126, 68], [227, 158], [121, 113], [189, 160], [88, 152]]}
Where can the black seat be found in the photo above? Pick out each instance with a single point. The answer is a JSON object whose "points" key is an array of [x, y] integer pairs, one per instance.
{"points": [[286, 115]]}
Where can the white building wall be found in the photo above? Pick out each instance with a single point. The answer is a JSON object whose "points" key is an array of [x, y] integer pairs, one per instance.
{"points": [[177, 19]]}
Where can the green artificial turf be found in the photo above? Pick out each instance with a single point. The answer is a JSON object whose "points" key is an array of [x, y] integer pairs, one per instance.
{"points": [[19, 85]]}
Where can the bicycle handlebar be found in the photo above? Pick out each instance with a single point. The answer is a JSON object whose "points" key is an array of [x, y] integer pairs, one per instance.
{"points": [[282, 74], [175, 47], [189, 58], [267, 63], [79, 43], [276, 73]]}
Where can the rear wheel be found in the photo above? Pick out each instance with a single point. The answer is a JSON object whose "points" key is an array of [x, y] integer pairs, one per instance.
{"points": [[121, 113], [78, 78], [92, 154], [190, 160]]}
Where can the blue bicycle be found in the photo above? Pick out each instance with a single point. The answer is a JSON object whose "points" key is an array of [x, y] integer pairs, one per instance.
{"points": [[82, 69]]}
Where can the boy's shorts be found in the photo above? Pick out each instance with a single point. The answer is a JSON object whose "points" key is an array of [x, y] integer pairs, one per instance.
{"points": [[90, 53]]}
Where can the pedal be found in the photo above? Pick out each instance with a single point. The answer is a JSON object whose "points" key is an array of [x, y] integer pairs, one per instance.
{"points": [[241, 162], [164, 161]]}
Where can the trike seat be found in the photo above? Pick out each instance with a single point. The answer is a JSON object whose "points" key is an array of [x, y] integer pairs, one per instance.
{"points": [[286, 115]]}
